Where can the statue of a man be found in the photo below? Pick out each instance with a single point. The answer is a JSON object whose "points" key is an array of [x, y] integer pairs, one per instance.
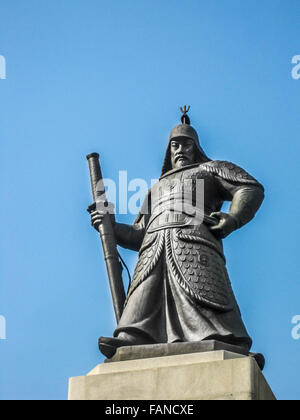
{"points": [[180, 290]]}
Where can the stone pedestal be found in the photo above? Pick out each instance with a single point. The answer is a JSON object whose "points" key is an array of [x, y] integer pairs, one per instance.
{"points": [[212, 375]]}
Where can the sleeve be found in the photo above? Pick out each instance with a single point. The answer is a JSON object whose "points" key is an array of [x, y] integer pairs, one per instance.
{"points": [[245, 192], [131, 237]]}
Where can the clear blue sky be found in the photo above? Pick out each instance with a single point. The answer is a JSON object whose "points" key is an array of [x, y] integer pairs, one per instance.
{"points": [[108, 76]]}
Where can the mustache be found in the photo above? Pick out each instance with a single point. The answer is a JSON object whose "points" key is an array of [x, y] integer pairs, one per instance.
{"points": [[180, 156]]}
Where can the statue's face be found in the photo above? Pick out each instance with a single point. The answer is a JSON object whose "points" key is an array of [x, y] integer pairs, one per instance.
{"points": [[182, 152]]}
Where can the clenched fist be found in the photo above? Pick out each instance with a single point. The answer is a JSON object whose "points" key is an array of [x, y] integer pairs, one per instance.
{"points": [[227, 224], [98, 211]]}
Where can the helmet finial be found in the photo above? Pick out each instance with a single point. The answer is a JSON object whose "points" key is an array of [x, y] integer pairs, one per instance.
{"points": [[185, 118]]}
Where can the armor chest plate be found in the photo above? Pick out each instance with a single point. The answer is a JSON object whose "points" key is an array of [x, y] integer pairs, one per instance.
{"points": [[184, 198]]}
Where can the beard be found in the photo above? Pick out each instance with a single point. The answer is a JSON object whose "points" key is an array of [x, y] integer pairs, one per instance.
{"points": [[181, 161]]}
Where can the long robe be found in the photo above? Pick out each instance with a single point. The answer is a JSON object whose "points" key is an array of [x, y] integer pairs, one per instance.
{"points": [[181, 290]]}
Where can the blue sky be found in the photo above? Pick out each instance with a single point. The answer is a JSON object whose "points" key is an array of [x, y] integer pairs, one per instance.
{"points": [[109, 76]]}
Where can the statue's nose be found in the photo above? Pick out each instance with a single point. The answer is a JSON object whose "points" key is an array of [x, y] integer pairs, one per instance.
{"points": [[180, 148]]}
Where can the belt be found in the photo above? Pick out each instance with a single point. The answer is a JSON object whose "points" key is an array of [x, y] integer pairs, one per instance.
{"points": [[170, 219]]}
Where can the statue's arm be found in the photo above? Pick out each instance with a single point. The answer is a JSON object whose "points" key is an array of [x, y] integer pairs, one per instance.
{"points": [[245, 193], [130, 237], [245, 203], [127, 236]]}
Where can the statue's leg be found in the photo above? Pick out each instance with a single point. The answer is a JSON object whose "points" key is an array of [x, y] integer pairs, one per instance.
{"points": [[143, 319]]}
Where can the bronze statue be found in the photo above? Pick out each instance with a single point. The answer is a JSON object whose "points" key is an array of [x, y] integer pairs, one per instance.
{"points": [[180, 290]]}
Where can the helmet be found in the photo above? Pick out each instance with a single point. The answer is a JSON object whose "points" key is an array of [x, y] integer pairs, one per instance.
{"points": [[184, 130]]}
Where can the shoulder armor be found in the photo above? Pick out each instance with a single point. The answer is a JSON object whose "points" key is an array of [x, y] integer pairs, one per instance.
{"points": [[230, 172]]}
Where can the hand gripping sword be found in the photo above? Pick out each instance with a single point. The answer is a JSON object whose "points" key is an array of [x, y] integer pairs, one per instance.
{"points": [[111, 256]]}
